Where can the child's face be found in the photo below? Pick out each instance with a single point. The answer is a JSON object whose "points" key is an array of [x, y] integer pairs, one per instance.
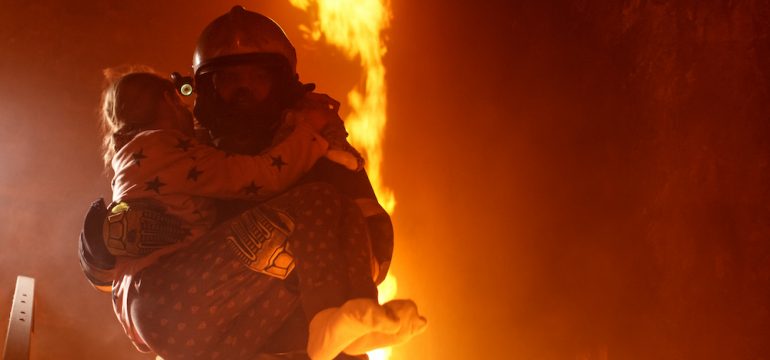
{"points": [[174, 114]]}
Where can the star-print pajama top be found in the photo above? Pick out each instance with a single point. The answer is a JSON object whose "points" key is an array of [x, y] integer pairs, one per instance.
{"points": [[186, 176]]}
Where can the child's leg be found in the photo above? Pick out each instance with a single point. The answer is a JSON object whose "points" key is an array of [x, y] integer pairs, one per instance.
{"points": [[356, 186], [332, 254], [316, 210], [357, 249], [202, 302]]}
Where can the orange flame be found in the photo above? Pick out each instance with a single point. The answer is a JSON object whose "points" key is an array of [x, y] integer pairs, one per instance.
{"points": [[355, 27]]}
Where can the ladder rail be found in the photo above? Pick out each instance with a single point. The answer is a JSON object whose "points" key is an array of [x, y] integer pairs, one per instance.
{"points": [[21, 322]]}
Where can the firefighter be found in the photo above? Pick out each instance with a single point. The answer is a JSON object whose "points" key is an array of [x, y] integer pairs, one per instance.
{"points": [[205, 300]]}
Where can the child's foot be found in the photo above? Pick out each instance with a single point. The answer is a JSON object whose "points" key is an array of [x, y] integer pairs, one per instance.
{"points": [[346, 159], [412, 324], [334, 329]]}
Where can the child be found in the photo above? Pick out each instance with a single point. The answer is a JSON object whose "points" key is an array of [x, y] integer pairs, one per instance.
{"points": [[150, 146], [156, 160]]}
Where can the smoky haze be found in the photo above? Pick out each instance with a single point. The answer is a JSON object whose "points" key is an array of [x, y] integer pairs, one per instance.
{"points": [[574, 180]]}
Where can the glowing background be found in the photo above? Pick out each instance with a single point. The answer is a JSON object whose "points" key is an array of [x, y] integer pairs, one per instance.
{"points": [[575, 180]]}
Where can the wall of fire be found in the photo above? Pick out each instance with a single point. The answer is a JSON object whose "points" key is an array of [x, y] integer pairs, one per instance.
{"points": [[575, 180]]}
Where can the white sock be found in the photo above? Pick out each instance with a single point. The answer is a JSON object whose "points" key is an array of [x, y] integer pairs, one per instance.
{"points": [[334, 329], [412, 324], [344, 158]]}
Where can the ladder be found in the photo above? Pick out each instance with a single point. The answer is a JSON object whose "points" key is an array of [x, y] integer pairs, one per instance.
{"points": [[20, 324]]}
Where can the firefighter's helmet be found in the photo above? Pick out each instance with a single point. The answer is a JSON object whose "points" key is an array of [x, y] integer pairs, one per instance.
{"points": [[240, 36]]}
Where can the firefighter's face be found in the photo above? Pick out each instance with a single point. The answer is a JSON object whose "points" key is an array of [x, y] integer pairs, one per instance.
{"points": [[243, 86]]}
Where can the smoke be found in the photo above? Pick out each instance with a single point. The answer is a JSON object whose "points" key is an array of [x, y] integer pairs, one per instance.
{"points": [[574, 180]]}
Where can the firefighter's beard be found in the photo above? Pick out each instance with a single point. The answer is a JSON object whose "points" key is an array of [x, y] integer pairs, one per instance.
{"points": [[247, 125]]}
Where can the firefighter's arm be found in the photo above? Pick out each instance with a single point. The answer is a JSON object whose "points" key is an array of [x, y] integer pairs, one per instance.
{"points": [[96, 261]]}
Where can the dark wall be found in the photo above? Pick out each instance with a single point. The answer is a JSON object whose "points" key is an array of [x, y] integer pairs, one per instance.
{"points": [[575, 180], [591, 175]]}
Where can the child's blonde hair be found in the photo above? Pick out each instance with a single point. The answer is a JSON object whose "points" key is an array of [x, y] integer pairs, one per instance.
{"points": [[129, 105]]}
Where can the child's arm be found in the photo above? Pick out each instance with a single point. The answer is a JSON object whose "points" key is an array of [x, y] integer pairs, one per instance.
{"points": [[167, 162], [261, 175], [340, 151]]}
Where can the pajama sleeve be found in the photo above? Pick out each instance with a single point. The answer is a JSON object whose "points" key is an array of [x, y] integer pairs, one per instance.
{"points": [[165, 162]]}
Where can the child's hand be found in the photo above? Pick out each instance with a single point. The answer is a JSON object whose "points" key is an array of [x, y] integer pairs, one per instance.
{"points": [[319, 101], [318, 110], [317, 119]]}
